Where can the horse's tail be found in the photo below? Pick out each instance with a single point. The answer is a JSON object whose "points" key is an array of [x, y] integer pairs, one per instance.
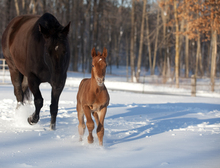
{"points": [[26, 90]]}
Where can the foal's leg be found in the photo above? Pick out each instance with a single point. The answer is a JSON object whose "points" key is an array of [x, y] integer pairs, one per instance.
{"points": [[89, 123], [81, 126], [95, 115], [34, 83], [100, 128]]}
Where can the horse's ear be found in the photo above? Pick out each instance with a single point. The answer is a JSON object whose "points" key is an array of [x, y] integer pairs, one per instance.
{"points": [[104, 54], [44, 31], [93, 52], [65, 30]]}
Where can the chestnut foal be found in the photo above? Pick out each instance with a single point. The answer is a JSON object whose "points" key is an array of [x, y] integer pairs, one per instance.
{"points": [[93, 98]]}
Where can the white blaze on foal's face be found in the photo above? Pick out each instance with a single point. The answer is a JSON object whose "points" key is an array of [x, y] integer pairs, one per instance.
{"points": [[99, 68]]}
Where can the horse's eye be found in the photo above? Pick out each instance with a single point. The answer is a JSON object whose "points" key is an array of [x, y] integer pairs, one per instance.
{"points": [[92, 65]]}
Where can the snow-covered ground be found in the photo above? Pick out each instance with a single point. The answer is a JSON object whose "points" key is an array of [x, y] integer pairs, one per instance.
{"points": [[141, 130]]}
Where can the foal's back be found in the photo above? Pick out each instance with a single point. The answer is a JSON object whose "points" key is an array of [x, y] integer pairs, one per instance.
{"points": [[83, 90]]}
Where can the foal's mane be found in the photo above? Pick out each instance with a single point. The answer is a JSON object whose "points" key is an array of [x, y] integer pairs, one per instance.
{"points": [[49, 22]]}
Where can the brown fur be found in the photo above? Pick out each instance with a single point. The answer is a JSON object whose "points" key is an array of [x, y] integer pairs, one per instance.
{"points": [[93, 98]]}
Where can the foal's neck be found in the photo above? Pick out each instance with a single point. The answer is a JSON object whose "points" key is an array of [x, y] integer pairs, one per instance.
{"points": [[94, 86]]}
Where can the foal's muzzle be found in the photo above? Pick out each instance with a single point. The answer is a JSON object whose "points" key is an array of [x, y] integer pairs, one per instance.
{"points": [[100, 81]]}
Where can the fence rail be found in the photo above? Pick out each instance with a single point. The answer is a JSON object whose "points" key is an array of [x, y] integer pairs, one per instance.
{"points": [[3, 67], [192, 83]]}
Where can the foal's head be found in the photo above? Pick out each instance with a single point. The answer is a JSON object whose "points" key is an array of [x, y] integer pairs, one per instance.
{"points": [[99, 66]]}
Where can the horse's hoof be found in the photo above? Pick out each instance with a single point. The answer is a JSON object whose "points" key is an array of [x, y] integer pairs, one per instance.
{"points": [[19, 104], [52, 127], [29, 121], [33, 120]]}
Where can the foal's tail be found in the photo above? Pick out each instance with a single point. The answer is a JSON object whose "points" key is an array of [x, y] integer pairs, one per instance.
{"points": [[26, 90]]}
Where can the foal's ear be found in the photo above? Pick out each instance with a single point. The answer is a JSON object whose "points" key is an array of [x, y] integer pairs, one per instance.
{"points": [[93, 52], [44, 31], [65, 30], [104, 54]]}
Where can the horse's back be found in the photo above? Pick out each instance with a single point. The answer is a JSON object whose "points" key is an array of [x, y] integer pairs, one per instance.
{"points": [[14, 26], [15, 39]]}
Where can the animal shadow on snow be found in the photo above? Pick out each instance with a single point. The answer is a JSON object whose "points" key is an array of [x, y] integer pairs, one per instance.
{"points": [[158, 118], [66, 118]]}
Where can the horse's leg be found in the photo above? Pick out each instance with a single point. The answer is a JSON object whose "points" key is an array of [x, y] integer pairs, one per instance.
{"points": [[81, 126], [16, 78], [54, 106], [89, 123], [34, 83], [25, 89], [100, 128]]}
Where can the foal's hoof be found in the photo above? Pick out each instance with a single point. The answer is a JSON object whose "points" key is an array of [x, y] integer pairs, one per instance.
{"points": [[52, 127], [90, 140], [33, 120]]}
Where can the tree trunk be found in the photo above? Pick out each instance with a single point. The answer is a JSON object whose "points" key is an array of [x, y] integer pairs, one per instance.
{"points": [[177, 45], [148, 42], [141, 42], [213, 60], [95, 24], [110, 48], [67, 7], [208, 59], [155, 46], [75, 56], [186, 46], [127, 56], [187, 57], [197, 55], [82, 30], [132, 42], [164, 19], [17, 7], [214, 47], [181, 40], [89, 58], [200, 62]]}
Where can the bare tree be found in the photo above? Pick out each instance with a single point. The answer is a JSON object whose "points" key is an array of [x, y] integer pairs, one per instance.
{"points": [[141, 42], [17, 7], [177, 44], [155, 46], [148, 41], [132, 43]]}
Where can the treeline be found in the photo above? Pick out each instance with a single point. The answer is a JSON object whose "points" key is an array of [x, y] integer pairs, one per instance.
{"points": [[173, 37]]}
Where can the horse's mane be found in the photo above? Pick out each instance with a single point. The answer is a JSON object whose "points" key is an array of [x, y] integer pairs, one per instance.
{"points": [[49, 22]]}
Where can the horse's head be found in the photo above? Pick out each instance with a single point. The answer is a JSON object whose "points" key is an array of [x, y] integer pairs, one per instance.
{"points": [[99, 66], [56, 48]]}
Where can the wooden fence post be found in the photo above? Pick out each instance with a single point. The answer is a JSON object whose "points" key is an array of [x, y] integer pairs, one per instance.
{"points": [[193, 83]]}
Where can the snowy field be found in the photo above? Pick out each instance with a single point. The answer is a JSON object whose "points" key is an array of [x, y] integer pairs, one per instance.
{"points": [[141, 130]]}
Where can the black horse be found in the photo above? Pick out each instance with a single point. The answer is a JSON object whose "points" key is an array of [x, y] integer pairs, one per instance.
{"points": [[36, 49]]}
